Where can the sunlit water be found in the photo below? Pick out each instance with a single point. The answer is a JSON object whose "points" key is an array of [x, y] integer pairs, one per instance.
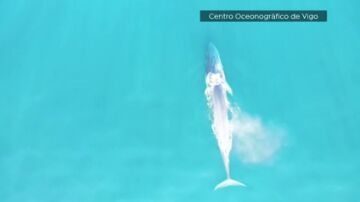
{"points": [[104, 101]]}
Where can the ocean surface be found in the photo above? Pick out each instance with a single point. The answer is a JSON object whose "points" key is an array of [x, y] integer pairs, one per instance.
{"points": [[104, 101]]}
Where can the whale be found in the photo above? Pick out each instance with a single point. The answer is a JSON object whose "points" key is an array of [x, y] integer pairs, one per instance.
{"points": [[216, 93]]}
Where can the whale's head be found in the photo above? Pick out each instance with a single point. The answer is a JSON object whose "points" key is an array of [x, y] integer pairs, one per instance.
{"points": [[213, 62]]}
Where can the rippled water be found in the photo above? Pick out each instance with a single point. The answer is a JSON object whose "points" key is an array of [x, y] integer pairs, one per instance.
{"points": [[104, 101]]}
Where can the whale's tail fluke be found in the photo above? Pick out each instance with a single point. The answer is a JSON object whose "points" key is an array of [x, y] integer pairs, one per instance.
{"points": [[229, 182]]}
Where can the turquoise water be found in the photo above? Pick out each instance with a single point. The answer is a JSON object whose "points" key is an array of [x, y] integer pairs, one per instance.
{"points": [[104, 101]]}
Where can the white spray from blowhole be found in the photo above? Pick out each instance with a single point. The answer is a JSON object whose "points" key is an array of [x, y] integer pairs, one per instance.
{"points": [[253, 141]]}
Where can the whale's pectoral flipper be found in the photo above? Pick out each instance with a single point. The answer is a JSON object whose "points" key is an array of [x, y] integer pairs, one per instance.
{"points": [[229, 182]]}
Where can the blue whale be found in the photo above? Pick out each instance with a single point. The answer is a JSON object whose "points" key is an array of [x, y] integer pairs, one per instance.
{"points": [[216, 93]]}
